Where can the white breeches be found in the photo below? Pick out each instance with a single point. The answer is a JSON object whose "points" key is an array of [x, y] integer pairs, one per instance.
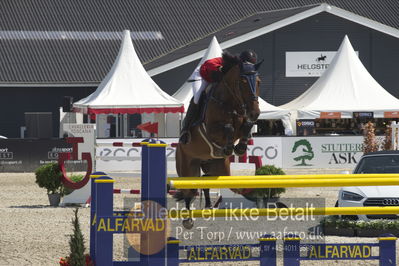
{"points": [[198, 86]]}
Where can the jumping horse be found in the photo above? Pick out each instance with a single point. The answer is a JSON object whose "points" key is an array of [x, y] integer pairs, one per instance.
{"points": [[231, 111]]}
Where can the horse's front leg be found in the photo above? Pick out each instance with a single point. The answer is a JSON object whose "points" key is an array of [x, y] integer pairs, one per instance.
{"points": [[188, 223], [241, 147], [229, 134]]}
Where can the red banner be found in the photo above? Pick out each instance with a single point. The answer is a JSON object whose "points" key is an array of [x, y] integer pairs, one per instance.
{"points": [[330, 115], [394, 114], [149, 127]]}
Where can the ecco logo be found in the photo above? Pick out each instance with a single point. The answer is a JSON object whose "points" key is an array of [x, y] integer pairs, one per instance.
{"points": [[270, 152]]}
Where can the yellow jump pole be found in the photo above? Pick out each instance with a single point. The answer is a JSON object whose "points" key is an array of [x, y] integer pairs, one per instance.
{"points": [[199, 183], [210, 213], [296, 177]]}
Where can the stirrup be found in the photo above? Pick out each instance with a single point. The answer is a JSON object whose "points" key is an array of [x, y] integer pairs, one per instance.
{"points": [[185, 137]]}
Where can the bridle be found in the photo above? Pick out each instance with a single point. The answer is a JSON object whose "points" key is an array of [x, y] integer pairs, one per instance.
{"points": [[249, 72]]}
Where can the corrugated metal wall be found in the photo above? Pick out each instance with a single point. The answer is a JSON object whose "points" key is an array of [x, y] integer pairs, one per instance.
{"points": [[323, 32]]}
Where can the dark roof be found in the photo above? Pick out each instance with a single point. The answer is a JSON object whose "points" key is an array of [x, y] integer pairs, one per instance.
{"points": [[245, 25], [74, 41]]}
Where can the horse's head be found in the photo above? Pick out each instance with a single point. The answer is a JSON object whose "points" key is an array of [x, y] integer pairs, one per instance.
{"points": [[243, 83]]}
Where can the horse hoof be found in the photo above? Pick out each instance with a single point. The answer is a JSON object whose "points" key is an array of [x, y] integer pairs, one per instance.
{"points": [[228, 151], [188, 223], [240, 149]]}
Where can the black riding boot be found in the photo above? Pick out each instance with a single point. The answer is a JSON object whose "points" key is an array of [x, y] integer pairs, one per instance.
{"points": [[191, 115]]}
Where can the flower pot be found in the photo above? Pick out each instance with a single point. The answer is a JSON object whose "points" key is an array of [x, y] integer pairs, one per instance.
{"points": [[54, 199]]}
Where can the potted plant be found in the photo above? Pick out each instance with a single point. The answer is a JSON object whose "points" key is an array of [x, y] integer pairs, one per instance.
{"points": [[265, 196], [48, 176], [75, 178]]}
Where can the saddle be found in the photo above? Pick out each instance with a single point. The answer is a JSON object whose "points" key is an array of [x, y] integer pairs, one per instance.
{"points": [[203, 103]]}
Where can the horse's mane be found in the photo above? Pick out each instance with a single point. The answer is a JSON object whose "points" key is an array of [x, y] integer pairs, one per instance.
{"points": [[229, 60]]}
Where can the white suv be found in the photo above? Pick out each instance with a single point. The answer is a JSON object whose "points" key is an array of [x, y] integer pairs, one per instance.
{"points": [[381, 162]]}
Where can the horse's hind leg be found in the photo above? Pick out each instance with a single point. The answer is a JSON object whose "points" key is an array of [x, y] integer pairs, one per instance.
{"points": [[216, 167], [188, 223], [208, 204], [207, 197], [186, 166]]}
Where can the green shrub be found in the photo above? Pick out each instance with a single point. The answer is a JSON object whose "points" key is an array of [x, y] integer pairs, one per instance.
{"points": [[75, 178], [48, 176], [338, 223], [266, 192]]}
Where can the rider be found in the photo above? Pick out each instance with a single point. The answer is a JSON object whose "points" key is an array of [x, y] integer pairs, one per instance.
{"points": [[210, 71]]}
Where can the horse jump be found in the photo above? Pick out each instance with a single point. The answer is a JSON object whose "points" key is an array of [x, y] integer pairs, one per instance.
{"points": [[105, 222]]}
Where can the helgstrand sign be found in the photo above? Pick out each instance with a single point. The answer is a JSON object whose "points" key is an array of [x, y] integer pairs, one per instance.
{"points": [[308, 64]]}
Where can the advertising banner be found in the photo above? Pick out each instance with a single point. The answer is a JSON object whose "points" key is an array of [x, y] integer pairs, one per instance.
{"points": [[26, 155], [127, 158], [305, 127], [308, 64], [87, 132], [322, 152]]}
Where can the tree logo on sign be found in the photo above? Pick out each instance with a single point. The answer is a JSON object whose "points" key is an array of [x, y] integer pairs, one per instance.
{"points": [[305, 150]]}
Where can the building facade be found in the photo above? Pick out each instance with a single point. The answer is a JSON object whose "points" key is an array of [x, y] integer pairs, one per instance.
{"points": [[38, 72]]}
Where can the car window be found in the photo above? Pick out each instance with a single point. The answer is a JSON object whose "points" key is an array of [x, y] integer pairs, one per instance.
{"points": [[378, 164]]}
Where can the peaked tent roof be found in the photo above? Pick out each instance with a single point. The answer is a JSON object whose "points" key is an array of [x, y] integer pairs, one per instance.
{"points": [[128, 88], [185, 92], [269, 111], [346, 86]]}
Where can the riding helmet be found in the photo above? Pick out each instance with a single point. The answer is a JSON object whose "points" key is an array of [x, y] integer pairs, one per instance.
{"points": [[248, 56]]}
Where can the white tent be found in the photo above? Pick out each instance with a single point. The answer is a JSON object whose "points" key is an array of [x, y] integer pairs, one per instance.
{"points": [[268, 112], [185, 92], [345, 87], [128, 89]]}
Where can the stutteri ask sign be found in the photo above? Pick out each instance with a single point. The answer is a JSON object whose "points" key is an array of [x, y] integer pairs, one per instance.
{"points": [[322, 152]]}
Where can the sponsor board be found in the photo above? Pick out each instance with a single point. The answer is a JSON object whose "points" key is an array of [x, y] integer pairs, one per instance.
{"points": [[109, 158], [26, 155], [322, 152], [308, 64], [87, 132]]}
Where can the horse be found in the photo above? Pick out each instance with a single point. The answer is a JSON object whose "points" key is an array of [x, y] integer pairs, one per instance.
{"points": [[230, 113]]}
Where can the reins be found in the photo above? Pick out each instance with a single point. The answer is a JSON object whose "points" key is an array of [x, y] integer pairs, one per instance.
{"points": [[240, 105]]}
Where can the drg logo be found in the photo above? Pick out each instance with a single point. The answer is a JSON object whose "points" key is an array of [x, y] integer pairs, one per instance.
{"points": [[305, 152]]}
